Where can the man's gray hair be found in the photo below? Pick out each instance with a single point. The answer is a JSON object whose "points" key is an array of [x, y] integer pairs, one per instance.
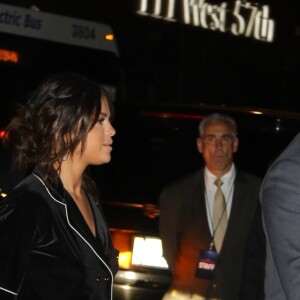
{"points": [[217, 117]]}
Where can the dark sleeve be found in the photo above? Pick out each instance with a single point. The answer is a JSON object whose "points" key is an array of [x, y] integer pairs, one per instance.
{"points": [[16, 233], [252, 284], [280, 197], [168, 226]]}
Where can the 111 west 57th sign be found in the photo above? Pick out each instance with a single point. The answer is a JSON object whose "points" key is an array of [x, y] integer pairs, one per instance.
{"points": [[242, 19]]}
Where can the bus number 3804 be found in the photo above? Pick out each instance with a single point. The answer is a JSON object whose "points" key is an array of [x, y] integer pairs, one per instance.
{"points": [[83, 32]]}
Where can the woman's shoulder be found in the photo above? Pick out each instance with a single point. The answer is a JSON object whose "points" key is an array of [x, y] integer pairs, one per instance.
{"points": [[26, 195], [25, 213]]}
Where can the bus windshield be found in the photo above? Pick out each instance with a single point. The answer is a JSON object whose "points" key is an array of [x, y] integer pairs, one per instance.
{"points": [[35, 44]]}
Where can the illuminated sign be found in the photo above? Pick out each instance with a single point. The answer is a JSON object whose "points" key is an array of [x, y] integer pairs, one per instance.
{"points": [[51, 27], [9, 56], [147, 251], [243, 19]]}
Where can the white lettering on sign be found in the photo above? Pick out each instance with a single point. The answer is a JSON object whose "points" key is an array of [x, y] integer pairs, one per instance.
{"points": [[156, 10], [206, 266], [243, 19], [258, 23], [199, 13]]}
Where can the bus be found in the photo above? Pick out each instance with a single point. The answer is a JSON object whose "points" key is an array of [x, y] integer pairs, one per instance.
{"points": [[35, 44]]}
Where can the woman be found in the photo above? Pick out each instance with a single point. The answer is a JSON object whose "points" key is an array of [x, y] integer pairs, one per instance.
{"points": [[54, 241]]}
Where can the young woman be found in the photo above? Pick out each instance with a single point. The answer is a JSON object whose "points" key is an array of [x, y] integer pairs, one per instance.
{"points": [[54, 241]]}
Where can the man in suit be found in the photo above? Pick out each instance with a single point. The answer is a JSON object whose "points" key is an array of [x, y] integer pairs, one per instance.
{"points": [[280, 198], [208, 247]]}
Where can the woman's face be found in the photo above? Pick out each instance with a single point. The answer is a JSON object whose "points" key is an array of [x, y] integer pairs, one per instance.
{"points": [[99, 139]]}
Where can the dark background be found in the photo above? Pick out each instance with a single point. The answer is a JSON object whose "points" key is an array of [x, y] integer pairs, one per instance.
{"points": [[166, 62], [171, 62]]}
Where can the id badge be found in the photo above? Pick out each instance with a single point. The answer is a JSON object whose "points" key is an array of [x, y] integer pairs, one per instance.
{"points": [[206, 267]]}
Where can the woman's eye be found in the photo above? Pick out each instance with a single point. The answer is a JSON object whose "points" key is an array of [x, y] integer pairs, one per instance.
{"points": [[100, 121]]}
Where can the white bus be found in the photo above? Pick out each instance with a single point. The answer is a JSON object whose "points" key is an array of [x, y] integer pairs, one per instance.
{"points": [[34, 44]]}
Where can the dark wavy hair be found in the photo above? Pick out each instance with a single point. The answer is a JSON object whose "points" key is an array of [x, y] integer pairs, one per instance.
{"points": [[56, 118]]}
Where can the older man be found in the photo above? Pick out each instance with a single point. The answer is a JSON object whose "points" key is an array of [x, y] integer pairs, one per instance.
{"points": [[210, 223]]}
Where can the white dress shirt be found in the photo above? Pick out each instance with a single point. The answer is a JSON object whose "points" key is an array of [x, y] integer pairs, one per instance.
{"points": [[210, 190]]}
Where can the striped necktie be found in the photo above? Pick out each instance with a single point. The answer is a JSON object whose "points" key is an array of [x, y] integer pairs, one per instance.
{"points": [[219, 218]]}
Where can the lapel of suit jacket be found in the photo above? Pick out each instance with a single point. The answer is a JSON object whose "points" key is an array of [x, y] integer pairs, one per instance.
{"points": [[238, 209], [200, 200]]}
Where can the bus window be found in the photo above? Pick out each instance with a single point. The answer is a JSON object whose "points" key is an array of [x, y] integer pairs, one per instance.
{"points": [[35, 44]]}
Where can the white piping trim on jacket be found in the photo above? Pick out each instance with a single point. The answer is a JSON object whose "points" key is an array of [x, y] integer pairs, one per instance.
{"points": [[1, 288], [111, 287]]}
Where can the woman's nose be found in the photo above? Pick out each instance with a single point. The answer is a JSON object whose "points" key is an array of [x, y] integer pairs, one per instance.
{"points": [[111, 130]]}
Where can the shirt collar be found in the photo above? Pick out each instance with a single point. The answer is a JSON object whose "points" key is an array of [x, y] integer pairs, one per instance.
{"points": [[227, 178]]}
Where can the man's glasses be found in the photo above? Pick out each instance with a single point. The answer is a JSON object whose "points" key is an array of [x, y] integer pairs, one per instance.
{"points": [[213, 140]]}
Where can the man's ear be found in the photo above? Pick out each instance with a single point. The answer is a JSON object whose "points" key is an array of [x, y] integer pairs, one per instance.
{"points": [[200, 145], [235, 144]]}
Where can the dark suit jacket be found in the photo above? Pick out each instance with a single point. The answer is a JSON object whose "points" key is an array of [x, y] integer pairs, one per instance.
{"points": [[47, 250], [184, 231], [280, 198]]}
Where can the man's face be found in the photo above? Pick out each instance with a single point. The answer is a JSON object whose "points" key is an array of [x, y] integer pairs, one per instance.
{"points": [[217, 147]]}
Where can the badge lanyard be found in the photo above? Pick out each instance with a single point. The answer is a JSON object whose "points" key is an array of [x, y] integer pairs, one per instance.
{"points": [[211, 246], [208, 259]]}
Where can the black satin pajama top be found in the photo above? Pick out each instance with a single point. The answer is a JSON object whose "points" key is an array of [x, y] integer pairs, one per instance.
{"points": [[47, 250]]}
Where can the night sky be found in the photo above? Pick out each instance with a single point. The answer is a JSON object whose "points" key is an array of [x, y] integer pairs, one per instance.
{"points": [[170, 62]]}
